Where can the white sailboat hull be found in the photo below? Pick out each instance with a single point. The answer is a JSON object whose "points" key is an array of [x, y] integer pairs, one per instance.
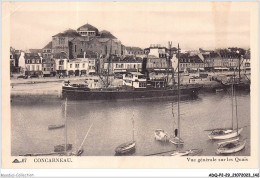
{"points": [[160, 135], [180, 153], [176, 141], [225, 135]]}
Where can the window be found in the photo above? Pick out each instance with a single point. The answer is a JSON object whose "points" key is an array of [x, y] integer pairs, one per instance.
{"points": [[76, 65], [75, 48], [142, 84], [70, 65], [83, 65]]}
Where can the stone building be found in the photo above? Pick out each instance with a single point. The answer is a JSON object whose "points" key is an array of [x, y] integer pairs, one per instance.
{"points": [[86, 38]]}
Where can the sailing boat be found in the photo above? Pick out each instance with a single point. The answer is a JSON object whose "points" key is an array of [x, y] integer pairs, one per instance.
{"points": [[220, 134], [64, 147], [127, 147], [232, 146], [177, 139]]}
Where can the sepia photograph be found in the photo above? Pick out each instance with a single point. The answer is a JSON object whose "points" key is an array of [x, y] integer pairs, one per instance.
{"points": [[131, 80]]}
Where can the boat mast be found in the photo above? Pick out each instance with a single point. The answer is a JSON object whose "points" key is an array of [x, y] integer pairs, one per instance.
{"points": [[232, 95], [133, 122], [236, 109], [179, 93], [65, 115]]}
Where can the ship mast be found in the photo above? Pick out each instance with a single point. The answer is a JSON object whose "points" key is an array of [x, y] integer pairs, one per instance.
{"points": [[65, 115], [179, 93], [232, 95], [133, 122]]}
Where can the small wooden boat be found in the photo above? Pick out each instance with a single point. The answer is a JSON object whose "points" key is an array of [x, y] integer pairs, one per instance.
{"points": [[61, 148], [180, 153], [160, 135], [219, 90], [128, 147], [195, 152], [231, 147], [51, 127], [224, 134], [192, 152], [79, 152], [125, 148], [176, 141]]}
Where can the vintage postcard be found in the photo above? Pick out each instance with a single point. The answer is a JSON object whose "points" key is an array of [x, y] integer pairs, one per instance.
{"points": [[129, 85]]}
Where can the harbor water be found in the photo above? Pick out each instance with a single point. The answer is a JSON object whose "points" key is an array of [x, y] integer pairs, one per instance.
{"points": [[112, 124]]}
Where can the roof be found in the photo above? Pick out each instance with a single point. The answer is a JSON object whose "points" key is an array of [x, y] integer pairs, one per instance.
{"points": [[48, 46], [78, 60], [68, 33], [136, 73], [35, 50], [106, 34], [185, 57], [102, 40], [87, 27], [61, 55], [32, 56], [127, 59], [129, 48]]}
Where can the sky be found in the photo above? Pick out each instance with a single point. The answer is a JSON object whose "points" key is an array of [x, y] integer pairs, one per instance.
{"points": [[135, 27]]}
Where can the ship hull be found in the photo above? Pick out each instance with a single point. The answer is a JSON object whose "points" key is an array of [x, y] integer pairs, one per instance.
{"points": [[84, 94]]}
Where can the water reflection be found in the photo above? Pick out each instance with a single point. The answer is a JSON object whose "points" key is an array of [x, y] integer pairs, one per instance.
{"points": [[112, 124]]}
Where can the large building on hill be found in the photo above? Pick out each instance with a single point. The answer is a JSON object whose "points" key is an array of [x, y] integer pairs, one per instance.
{"points": [[86, 38]]}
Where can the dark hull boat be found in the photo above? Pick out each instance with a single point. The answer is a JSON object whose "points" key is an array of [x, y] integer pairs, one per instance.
{"points": [[51, 127], [81, 93], [125, 148], [61, 148]]}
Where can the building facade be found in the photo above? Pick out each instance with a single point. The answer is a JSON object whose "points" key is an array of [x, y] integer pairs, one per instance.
{"points": [[33, 64], [128, 64]]}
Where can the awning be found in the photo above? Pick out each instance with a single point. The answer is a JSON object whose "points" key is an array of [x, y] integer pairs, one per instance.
{"points": [[46, 72], [221, 68], [120, 70], [159, 69]]}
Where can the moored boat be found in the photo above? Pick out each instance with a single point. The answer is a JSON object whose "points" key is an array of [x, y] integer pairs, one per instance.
{"points": [[224, 134], [125, 148], [51, 127], [231, 147], [176, 140], [135, 85], [160, 135], [61, 148], [128, 147]]}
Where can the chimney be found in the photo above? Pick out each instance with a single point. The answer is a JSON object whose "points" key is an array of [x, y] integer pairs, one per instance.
{"points": [[84, 55]]}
